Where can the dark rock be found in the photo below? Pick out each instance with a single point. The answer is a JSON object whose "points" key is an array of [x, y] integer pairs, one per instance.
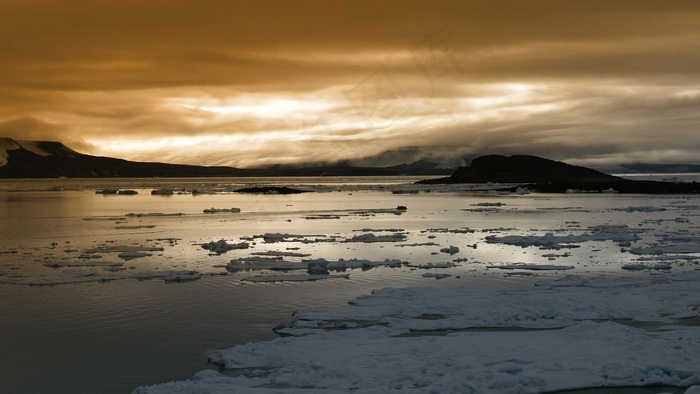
{"points": [[270, 190]]}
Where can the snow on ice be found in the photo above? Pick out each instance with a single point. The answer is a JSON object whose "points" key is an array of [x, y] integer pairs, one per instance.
{"points": [[576, 332]]}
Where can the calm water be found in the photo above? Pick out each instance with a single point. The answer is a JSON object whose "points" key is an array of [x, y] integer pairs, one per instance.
{"points": [[97, 337]]}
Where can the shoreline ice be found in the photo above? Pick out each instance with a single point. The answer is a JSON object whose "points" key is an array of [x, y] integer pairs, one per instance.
{"points": [[576, 332]]}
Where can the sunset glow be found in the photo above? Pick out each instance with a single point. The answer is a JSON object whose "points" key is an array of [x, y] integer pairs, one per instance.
{"points": [[245, 83]]}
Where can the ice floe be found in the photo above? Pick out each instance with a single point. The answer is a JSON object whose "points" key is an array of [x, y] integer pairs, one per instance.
{"points": [[64, 264], [127, 252], [282, 237], [577, 332], [618, 233], [320, 265], [221, 246], [644, 208], [313, 266], [435, 275], [263, 263], [322, 217], [371, 237], [432, 265], [642, 267], [662, 249], [451, 250], [278, 253], [222, 210]]}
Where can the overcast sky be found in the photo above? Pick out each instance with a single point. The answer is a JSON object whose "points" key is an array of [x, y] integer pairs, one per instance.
{"points": [[250, 83]]}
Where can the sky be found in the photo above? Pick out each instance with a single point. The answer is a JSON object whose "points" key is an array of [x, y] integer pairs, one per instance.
{"points": [[255, 83]]}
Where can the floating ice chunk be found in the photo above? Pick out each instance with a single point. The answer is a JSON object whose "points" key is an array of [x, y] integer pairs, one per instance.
{"points": [[221, 246], [83, 264], [464, 230], [642, 267], [530, 240], [280, 237], [620, 234], [222, 210], [126, 252], [115, 249], [667, 257], [451, 250], [644, 208], [489, 204], [322, 217], [277, 253], [478, 210], [677, 248], [133, 254], [532, 267], [262, 263], [323, 265], [418, 244], [370, 238], [522, 191], [432, 265], [436, 276]]}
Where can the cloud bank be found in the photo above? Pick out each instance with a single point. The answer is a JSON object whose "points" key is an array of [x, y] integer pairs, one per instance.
{"points": [[246, 83]]}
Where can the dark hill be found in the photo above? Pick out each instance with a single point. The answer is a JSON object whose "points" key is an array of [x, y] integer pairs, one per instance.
{"points": [[522, 169], [548, 176], [44, 159]]}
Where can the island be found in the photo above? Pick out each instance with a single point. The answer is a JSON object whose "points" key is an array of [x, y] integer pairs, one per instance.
{"points": [[549, 176]]}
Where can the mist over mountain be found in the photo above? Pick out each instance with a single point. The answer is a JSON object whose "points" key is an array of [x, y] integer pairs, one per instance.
{"points": [[425, 157], [49, 159]]}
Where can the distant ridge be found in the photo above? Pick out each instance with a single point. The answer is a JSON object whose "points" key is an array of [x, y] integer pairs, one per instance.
{"points": [[50, 159], [647, 168]]}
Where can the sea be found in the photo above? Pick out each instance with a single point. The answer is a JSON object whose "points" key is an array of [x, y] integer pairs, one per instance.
{"points": [[102, 293]]}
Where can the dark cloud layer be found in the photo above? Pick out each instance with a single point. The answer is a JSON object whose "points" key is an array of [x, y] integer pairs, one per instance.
{"points": [[589, 81]]}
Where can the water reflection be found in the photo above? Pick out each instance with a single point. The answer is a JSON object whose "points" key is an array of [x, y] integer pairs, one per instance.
{"points": [[131, 332]]}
